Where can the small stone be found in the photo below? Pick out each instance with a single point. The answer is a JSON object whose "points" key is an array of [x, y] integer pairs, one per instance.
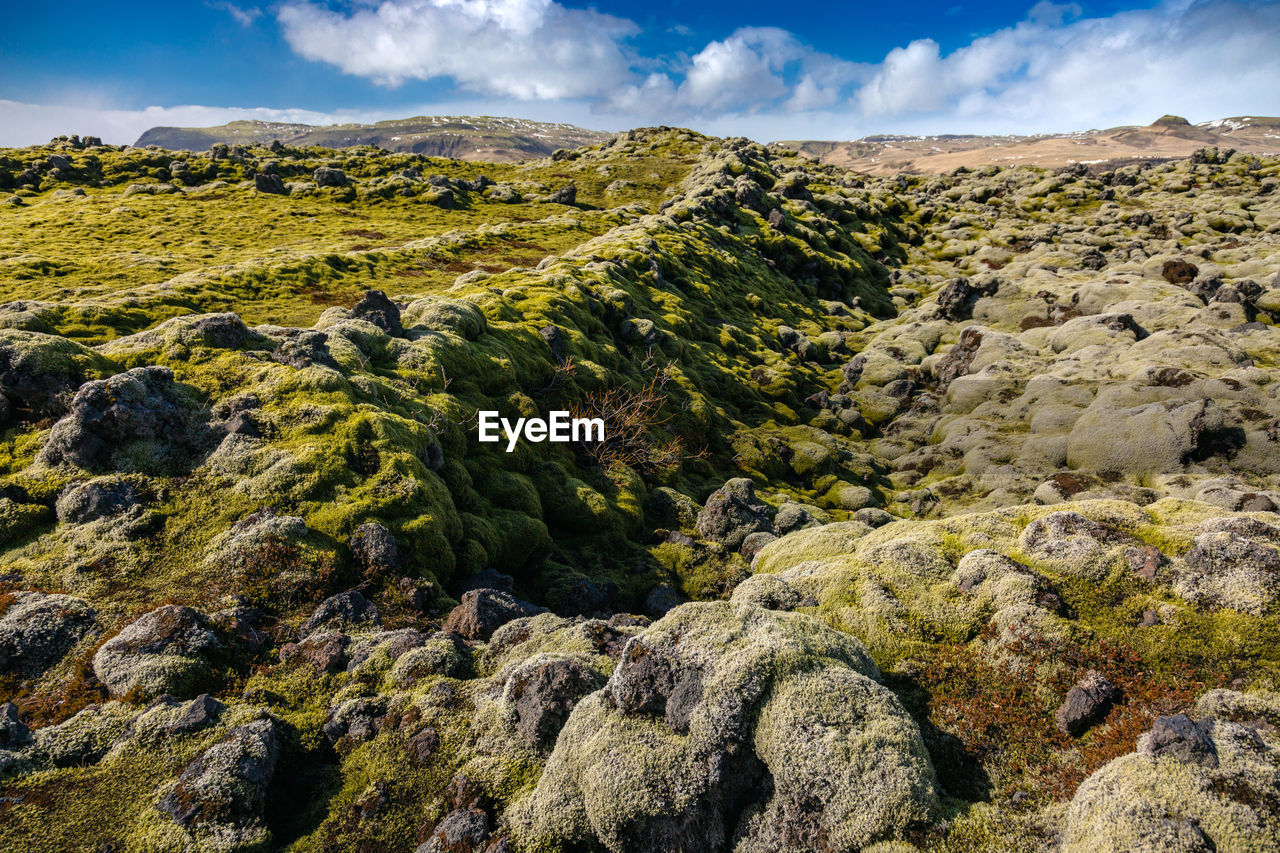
{"points": [[423, 745], [325, 652], [1180, 738], [1144, 560], [1086, 704], [200, 712]]}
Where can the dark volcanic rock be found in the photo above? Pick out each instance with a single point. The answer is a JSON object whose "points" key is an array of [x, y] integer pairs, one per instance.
{"points": [[423, 745], [355, 720], [201, 711], [1180, 738], [461, 831], [732, 513], [303, 348], [376, 308], [326, 176], [565, 195], [1144, 560], [955, 301], [139, 420], [35, 381], [325, 651], [661, 599], [484, 611], [554, 336], [544, 692], [346, 610], [14, 734], [644, 679], [163, 651], [1086, 703], [272, 184], [99, 498], [1179, 271], [375, 549], [227, 783]]}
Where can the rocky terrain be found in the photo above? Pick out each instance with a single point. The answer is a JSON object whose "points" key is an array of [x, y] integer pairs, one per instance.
{"points": [[1167, 138], [485, 138], [937, 512]]}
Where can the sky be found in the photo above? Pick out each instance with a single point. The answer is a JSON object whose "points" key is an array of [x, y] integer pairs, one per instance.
{"points": [[781, 69]]}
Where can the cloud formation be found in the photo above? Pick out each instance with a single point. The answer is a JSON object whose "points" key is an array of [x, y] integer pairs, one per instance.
{"points": [[1054, 70], [528, 49], [243, 17]]}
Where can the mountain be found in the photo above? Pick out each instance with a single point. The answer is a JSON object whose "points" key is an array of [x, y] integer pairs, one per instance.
{"points": [[484, 138], [1169, 137]]}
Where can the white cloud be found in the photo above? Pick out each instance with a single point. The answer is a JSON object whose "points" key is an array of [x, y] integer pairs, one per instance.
{"points": [[528, 49], [1056, 71], [243, 17]]}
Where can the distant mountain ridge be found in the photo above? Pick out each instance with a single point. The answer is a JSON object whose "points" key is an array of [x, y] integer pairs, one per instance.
{"points": [[1168, 137], [485, 138]]}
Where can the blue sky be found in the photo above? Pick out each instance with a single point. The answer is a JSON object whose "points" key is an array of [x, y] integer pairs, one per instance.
{"points": [[770, 70]]}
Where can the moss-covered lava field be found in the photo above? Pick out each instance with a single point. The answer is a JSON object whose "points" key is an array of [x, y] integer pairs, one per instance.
{"points": [[935, 513]]}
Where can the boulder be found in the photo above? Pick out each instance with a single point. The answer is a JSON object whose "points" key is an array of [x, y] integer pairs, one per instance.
{"points": [[38, 629], [375, 549], [374, 307], [383, 649], [730, 726], [140, 420], [1188, 787], [38, 372], [1180, 738], [1225, 569], [1147, 439], [221, 793], [660, 600], [1179, 271], [345, 611], [14, 734], [95, 499], [1087, 703], [270, 184], [543, 690], [325, 651], [326, 176], [460, 831], [164, 651], [957, 298], [483, 611], [567, 194], [732, 512], [354, 721], [199, 713]]}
